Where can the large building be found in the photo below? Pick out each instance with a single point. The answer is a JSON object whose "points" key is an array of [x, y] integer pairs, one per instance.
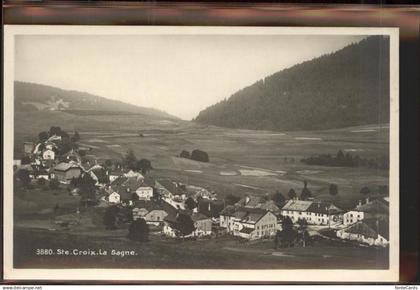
{"points": [[64, 172], [248, 223], [314, 212], [152, 212]]}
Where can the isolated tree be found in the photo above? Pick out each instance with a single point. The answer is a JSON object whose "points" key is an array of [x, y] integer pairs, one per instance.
{"points": [[130, 160], [199, 155], [55, 130], [365, 190], [185, 224], [287, 224], [278, 198], [185, 154], [383, 189], [306, 193], [74, 182], [144, 165], [43, 136], [340, 156], [23, 176], [190, 203], [41, 181], [110, 217], [108, 163], [288, 233], [54, 184], [292, 193], [231, 199], [333, 189], [87, 189], [76, 137], [25, 160], [156, 195], [303, 224], [138, 231]]}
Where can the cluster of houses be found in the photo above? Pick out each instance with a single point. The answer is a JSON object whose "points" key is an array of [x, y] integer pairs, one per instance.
{"points": [[160, 202]]}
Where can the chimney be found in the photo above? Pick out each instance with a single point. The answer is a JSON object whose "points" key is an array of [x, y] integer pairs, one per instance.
{"points": [[367, 200], [360, 203]]}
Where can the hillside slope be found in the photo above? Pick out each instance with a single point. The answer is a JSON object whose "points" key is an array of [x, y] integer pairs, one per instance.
{"points": [[30, 96], [347, 88]]}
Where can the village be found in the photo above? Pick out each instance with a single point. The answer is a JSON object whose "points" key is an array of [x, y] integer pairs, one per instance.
{"points": [[131, 198]]}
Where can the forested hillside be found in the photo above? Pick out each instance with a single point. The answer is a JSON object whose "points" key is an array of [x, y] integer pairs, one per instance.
{"points": [[346, 88]]}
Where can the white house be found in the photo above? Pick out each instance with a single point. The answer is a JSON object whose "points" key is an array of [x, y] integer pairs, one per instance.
{"points": [[314, 212], [114, 198], [248, 223], [367, 231], [144, 192], [369, 209], [48, 154]]}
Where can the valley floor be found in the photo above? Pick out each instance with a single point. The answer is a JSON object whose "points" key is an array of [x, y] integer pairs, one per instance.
{"points": [[217, 253]]}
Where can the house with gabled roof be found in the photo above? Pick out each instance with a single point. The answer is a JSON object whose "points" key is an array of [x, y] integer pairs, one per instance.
{"points": [[372, 231], [152, 212], [171, 189], [314, 212], [248, 223], [64, 171]]}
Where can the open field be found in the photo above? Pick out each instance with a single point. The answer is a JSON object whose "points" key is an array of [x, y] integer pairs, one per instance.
{"points": [[241, 162], [220, 253]]}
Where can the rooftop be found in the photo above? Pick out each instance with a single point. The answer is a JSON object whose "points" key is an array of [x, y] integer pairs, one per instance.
{"points": [[63, 166], [374, 206], [297, 205]]}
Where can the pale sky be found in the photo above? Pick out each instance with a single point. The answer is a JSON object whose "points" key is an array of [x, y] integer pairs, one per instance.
{"points": [[180, 74]]}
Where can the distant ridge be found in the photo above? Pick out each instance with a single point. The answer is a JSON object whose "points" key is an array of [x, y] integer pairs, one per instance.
{"points": [[31, 96], [349, 87]]}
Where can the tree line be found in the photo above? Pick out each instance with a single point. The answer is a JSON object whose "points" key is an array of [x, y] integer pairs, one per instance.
{"points": [[347, 160]]}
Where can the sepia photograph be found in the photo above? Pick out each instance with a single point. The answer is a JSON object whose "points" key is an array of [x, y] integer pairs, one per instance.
{"points": [[201, 153]]}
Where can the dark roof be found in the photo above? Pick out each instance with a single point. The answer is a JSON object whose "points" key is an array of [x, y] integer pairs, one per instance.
{"points": [[171, 187], [370, 228], [228, 211], [374, 207], [66, 166], [171, 218], [253, 201], [245, 214], [149, 181], [246, 230], [379, 225], [132, 183], [152, 205], [297, 205], [119, 181], [319, 207], [199, 216], [216, 207]]}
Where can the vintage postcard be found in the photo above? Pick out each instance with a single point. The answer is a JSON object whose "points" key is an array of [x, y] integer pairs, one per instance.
{"points": [[261, 154]]}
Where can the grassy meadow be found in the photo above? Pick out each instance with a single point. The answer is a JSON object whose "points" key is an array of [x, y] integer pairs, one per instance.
{"points": [[241, 162]]}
